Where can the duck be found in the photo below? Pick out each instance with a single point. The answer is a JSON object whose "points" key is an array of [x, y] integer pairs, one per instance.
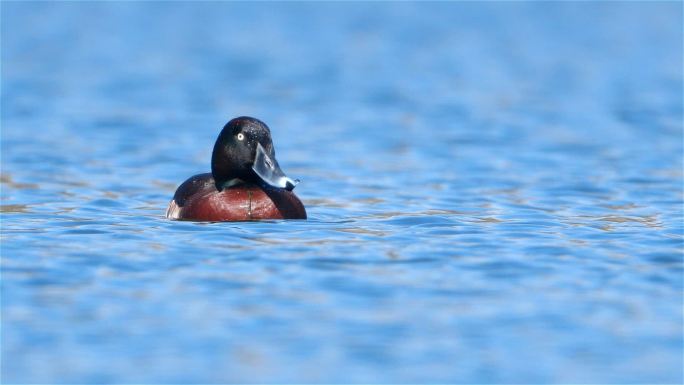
{"points": [[246, 182]]}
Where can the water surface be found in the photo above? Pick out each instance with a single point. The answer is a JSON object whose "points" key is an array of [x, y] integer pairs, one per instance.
{"points": [[494, 193]]}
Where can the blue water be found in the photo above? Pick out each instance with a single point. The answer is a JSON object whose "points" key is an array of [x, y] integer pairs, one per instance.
{"points": [[494, 193]]}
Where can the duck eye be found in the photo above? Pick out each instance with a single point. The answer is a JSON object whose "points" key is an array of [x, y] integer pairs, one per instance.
{"points": [[241, 136]]}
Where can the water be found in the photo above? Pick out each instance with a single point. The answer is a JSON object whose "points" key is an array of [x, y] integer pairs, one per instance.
{"points": [[494, 193]]}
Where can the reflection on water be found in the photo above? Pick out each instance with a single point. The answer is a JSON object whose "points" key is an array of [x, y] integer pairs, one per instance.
{"points": [[494, 193]]}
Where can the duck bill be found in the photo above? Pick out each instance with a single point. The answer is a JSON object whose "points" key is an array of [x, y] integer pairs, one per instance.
{"points": [[267, 168]]}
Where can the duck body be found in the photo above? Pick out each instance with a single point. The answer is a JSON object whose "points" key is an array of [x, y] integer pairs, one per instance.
{"points": [[246, 182], [197, 199]]}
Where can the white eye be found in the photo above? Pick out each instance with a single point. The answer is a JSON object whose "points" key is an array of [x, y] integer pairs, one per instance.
{"points": [[240, 136]]}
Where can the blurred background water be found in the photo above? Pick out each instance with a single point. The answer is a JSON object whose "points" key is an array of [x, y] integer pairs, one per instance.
{"points": [[494, 192]]}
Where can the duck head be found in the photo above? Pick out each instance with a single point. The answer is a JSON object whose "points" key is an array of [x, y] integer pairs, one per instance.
{"points": [[244, 152]]}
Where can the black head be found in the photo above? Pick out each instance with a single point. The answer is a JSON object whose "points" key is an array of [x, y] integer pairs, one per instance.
{"points": [[244, 151]]}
